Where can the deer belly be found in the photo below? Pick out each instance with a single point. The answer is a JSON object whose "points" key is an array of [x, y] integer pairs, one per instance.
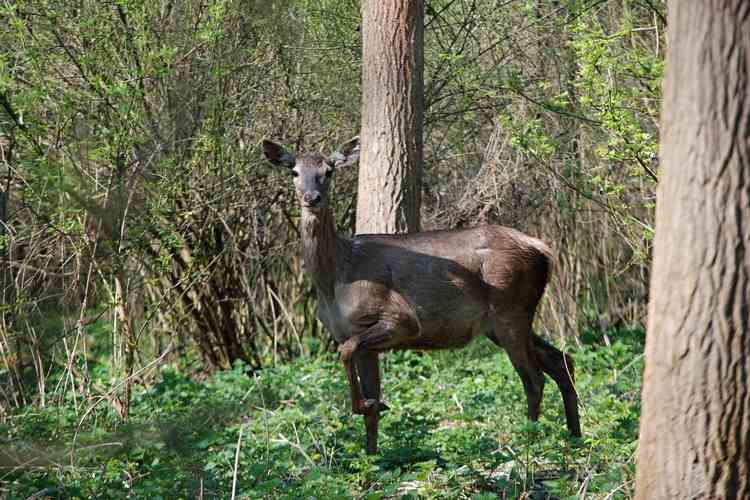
{"points": [[447, 334]]}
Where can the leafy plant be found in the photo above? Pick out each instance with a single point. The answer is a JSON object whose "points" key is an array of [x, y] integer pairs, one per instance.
{"points": [[457, 429]]}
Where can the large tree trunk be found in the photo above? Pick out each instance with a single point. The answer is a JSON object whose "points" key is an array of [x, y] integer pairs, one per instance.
{"points": [[695, 425], [390, 165]]}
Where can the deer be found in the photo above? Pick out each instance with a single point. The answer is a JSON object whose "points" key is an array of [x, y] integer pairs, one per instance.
{"points": [[424, 290]]}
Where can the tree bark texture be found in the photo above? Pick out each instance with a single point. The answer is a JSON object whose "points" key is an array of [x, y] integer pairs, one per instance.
{"points": [[390, 166], [695, 423]]}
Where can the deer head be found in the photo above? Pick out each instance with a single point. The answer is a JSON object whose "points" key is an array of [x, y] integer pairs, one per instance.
{"points": [[312, 172]]}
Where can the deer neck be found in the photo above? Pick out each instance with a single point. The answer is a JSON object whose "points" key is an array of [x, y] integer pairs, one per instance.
{"points": [[321, 246]]}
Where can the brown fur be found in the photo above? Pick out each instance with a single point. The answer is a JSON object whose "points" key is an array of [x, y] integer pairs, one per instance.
{"points": [[429, 290]]}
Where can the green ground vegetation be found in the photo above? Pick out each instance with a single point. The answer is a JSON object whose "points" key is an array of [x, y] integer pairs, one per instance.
{"points": [[456, 429]]}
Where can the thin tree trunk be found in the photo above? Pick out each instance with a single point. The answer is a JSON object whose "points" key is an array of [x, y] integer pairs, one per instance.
{"points": [[127, 336], [695, 425], [390, 167]]}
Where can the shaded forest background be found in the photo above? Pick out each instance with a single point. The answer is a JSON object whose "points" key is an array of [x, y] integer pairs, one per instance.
{"points": [[139, 226], [140, 231]]}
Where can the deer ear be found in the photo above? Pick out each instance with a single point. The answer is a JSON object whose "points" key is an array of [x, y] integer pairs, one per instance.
{"points": [[347, 154], [277, 155]]}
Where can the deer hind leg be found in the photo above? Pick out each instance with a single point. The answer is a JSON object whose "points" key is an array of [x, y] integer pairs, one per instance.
{"points": [[517, 344], [531, 376], [559, 366]]}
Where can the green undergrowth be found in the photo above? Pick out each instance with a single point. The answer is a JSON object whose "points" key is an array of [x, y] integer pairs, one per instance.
{"points": [[456, 429]]}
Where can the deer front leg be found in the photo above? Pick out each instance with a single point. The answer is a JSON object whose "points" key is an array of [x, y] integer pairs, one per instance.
{"points": [[346, 350], [362, 349], [368, 369], [366, 375], [363, 373]]}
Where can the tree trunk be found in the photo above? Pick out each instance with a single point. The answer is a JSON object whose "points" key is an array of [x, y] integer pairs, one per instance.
{"points": [[129, 341], [695, 424], [390, 164], [390, 167]]}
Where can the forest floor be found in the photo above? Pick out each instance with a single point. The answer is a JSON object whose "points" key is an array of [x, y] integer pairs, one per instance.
{"points": [[456, 429]]}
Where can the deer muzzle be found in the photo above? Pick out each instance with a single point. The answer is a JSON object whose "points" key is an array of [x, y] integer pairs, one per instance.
{"points": [[311, 198]]}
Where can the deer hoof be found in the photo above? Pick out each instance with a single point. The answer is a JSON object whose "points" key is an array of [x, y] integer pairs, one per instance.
{"points": [[371, 407]]}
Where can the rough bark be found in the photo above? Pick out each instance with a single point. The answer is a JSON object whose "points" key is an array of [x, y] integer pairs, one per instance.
{"points": [[392, 101], [695, 424]]}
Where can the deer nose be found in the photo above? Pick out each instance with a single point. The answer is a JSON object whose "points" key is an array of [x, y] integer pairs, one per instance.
{"points": [[311, 198]]}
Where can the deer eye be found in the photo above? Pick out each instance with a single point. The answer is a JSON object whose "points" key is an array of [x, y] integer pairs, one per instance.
{"points": [[294, 173]]}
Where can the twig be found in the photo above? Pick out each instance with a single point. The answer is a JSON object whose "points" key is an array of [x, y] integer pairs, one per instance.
{"points": [[114, 389], [237, 461], [555, 109]]}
